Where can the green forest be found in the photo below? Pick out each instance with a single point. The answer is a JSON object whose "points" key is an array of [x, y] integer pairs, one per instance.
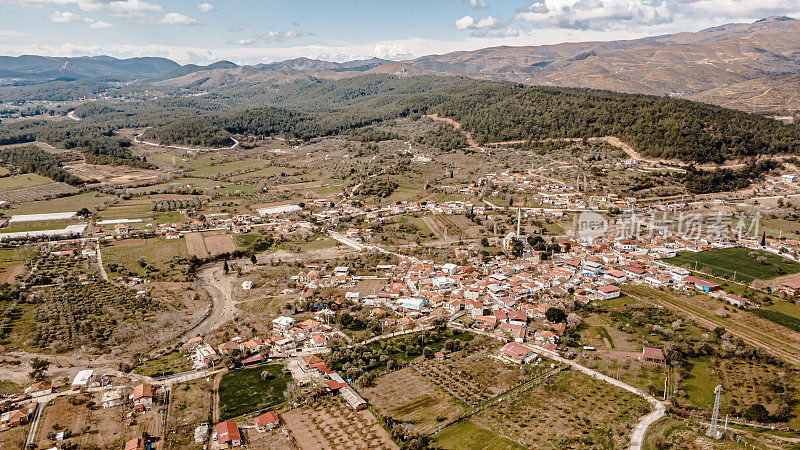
{"points": [[491, 111]]}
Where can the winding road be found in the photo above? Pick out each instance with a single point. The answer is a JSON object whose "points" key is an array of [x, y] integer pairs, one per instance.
{"points": [[223, 308]]}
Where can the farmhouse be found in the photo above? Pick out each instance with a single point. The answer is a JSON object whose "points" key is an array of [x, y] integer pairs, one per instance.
{"points": [[608, 292], [517, 353], [39, 389], [16, 417], [135, 444], [111, 398], [735, 300], [267, 421], [142, 396], [791, 288], [228, 434], [650, 354], [702, 284]]}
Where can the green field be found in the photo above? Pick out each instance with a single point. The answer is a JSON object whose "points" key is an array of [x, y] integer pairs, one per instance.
{"points": [[736, 261], [161, 253], [166, 364], [468, 435], [208, 166], [24, 180], [699, 384], [243, 391], [790, 322]]}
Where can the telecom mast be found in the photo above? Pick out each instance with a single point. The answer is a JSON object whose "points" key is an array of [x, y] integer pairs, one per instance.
{"points": [[712, 430]]}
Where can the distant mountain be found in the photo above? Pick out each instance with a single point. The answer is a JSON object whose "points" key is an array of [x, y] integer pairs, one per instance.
{"points": [[28, 68], [750, 66], [675, 64], [317, 65]]}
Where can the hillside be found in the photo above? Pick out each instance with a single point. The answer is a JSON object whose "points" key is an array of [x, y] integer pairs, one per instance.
{"points": [[28, 68], [682, 64]]}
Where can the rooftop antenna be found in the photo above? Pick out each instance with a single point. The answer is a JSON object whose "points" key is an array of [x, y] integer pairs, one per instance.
{"points": [[713, 431]]}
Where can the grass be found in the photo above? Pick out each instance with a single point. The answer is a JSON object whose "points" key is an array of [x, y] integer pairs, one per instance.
{"points": [[621, 302], [166, 364], [157, 252], [468, 435], [790, 322], [243, 391], [206, 167], [245, 240], [699, 383], [24, 180], [737, 261], [603, 333]]}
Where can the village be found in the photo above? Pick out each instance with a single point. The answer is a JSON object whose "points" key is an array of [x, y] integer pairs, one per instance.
{"points": [[528, 295]]}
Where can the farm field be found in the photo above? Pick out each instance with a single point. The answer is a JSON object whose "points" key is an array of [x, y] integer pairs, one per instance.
{"points": [[244, 391], [331, 424], [170, 363], [189, 406], [203, 245], [22, 181], [572, 410], [209, 166], [91, 425], [14, 437], [730, 261], [163, 258], [468, 435], [90, 200], [778, 340], [407, 396], [475, 378]]}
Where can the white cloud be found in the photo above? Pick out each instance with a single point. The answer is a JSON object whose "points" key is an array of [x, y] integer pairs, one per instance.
{"points": [[478, 4], [68, 17], [174, 18], [594, 14], [468, 22], [270, 37], [205, 7], [118, 8]]}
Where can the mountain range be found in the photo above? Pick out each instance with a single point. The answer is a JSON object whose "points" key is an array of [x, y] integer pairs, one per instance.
{"points": [[750, 66]]}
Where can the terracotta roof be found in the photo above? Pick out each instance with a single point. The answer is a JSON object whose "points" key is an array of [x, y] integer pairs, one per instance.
{"points": [[265, 419], [228, 431]]}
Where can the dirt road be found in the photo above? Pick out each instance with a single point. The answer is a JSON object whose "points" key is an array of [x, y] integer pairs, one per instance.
{"points": [[472, 143], [220, 287]]}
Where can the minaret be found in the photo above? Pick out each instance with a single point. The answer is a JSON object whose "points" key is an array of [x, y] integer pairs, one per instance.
{"points": [[519, 219]]}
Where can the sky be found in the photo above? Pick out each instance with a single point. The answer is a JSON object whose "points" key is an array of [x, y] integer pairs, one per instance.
{"points": [[262, 31]]}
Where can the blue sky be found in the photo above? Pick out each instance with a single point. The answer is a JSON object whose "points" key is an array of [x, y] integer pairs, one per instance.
{"points": [[253, 31]]}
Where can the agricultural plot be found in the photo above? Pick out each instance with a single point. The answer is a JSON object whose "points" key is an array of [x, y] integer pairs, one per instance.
{"points": [[14, 437], [571, 410], [47, 269], [407, 396], [38, 192], [169, 363], [744, 383], [203, 245], [211, 166], [246, 391], [189, 406], [739, 262], [154, 258], [332, 424], [90, 425], [468, 435], [90, 200], [75, 315], [472, 379]]}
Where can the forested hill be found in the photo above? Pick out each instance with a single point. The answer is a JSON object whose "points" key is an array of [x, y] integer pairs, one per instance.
{"points": [[491, 111], [655, 126], [494, 111]]}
